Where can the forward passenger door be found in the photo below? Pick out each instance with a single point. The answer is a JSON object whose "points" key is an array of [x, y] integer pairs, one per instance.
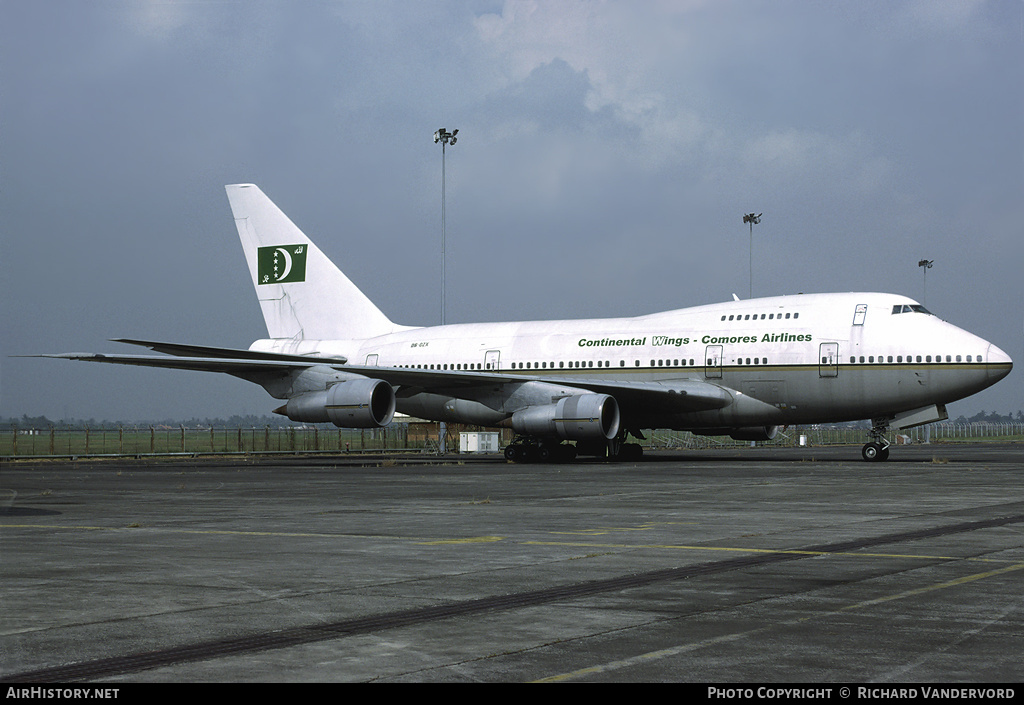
{"points": [[713, 357], [828, 360]]}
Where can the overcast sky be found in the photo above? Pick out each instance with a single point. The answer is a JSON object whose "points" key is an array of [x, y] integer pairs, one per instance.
{"points": [[607, 153]]}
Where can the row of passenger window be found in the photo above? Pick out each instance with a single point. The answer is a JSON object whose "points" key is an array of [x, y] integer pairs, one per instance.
{"points": [[677, 362], [912, 358], [576, 364], [453, 366], [682, 362], [519, 365], [762, 317], [757, 361]]}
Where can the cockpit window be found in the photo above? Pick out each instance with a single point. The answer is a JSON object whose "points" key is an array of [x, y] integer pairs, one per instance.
{"points": [[910, 308]]}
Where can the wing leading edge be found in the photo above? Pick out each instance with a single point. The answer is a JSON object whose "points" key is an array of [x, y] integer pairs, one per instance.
{"points": [[182, 350], [676, 396]]}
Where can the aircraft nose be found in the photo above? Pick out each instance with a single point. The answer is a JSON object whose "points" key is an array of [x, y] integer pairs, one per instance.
{"points": [[999, 363]]}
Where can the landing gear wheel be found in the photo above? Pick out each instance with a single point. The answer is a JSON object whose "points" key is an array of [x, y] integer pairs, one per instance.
{"points": [[630, 452], [878, 449], [525, 449], [874, 452], [566, 453]]}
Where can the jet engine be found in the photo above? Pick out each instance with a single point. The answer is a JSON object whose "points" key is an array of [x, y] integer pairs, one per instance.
{"points": [[358, 403], [745, 433], [576, 418]]}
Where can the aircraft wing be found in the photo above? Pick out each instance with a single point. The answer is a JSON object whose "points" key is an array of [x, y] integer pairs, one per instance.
{"points": [[181, 350], [244, 368], [671, 396], [677, 396]]}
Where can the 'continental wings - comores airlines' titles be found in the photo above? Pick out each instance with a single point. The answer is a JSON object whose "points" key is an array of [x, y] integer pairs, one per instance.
{"points": [[740, 368]]}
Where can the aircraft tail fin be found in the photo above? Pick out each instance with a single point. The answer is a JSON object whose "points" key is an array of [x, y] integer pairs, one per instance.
{"points": [[304, 296]]}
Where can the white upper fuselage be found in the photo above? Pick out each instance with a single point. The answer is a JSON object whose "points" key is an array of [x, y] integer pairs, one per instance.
{"points": [[814, 357]]}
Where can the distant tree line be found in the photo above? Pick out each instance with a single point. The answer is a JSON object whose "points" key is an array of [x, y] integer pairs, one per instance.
{"points": [[249, 421], [993, 417]]}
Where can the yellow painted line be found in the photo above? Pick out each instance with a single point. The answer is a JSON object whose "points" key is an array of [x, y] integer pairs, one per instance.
{"points": [[648, 657], [589, 544], [472, 539], [58, 526], [936, 586], [495, 539], [601, 530], [735, 549], [285, 534], [216, 532], [683, 648]]}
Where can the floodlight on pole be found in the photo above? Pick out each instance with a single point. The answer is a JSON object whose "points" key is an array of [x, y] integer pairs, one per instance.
{"points": [[753, 220], [445, 138], [925, 265]]}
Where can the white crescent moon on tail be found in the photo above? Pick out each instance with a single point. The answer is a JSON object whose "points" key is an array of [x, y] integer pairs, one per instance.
{"points": [[287, 263]]}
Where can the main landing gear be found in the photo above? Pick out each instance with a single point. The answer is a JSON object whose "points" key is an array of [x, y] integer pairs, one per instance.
{"points": [[527, 449], [878, 449], [531, 449], [618, 449]]}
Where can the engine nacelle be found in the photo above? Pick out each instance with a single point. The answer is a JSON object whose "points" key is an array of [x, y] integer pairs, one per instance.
{"points": [[577, 418], [745, 433], [358, 403]]}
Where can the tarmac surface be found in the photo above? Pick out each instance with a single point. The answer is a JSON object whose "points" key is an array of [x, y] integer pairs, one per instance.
{"points": [[803, 565]]}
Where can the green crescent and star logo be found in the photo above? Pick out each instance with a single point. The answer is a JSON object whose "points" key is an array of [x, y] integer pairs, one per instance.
{"points": [[281, 264]]}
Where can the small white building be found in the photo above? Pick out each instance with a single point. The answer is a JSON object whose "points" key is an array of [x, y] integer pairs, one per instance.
{"points": [[479, 442]]}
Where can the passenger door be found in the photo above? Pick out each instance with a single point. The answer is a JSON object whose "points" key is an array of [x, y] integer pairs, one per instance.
{"points": [[713, 357], [828, 360], [859, 314]]}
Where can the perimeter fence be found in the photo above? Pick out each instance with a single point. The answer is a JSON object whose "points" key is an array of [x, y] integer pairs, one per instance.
{"points": [[848, 435], [411, 438], [152, 440]]}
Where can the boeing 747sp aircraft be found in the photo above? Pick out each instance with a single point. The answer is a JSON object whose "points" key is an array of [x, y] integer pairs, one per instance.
{"points": [[740, 368]]}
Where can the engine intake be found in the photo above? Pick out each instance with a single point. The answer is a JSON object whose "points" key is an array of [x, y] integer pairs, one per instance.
{"points": [[359, 403], [577, 418]]}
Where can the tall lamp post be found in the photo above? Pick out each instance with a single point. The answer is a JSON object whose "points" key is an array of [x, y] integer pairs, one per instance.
{"points": [[925, 265], [753, 220], [445, 138]]}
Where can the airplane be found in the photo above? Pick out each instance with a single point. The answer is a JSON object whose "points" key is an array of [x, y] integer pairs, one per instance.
{"points": [[742, 368]]}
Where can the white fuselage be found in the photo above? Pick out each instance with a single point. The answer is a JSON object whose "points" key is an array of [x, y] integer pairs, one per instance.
{"points": [[809, 358]]}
